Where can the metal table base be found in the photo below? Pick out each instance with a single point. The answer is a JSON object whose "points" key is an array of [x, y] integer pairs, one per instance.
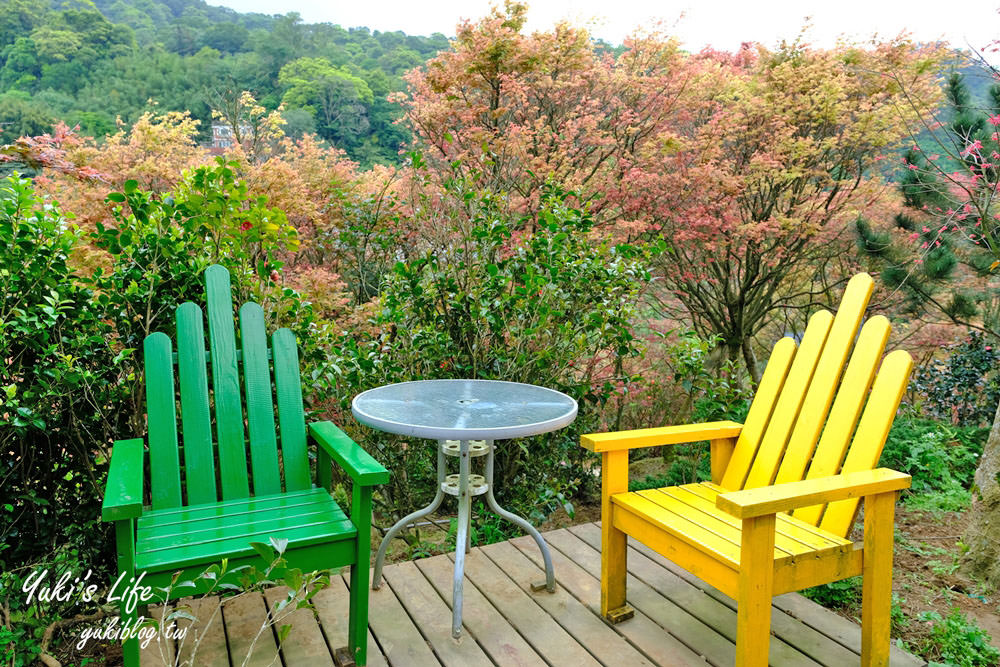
{"points": [[464, 486]]}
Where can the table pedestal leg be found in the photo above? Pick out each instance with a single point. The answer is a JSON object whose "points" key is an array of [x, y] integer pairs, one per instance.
{"points": [[408, 519], [550, 579], [462, 539]]}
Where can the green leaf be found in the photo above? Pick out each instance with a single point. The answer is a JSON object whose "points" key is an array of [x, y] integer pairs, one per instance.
{"points": [[116, 197], [130, 186]]}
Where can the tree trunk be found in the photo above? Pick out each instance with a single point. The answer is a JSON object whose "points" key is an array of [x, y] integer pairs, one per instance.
{"points": [[983, 534]]}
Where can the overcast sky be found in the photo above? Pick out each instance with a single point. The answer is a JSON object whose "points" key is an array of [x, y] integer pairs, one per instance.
{"points": [[722, 24]]}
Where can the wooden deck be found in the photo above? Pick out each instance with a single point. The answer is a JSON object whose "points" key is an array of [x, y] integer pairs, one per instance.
{"points": [[679, 620]]}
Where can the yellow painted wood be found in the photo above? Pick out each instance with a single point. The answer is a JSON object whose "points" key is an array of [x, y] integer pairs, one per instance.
{"points": [[760, 413], [614, 480], [784, 497], [719, 572], [715, 522], [847, 407], [819, 396], [872, 431], [876, 593], [772, 447], [794, 574], [787, 525], [721, 452], [756, 582], [789, 536], [679, 526], [655, 437]]}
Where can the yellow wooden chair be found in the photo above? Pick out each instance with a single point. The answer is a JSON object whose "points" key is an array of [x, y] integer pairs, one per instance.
{"points": [[783, 497]]}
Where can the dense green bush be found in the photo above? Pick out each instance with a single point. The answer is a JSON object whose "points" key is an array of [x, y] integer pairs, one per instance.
{"points": [[552, 307], [956, 641], [59, 384], [942, 460], [963, 387]]}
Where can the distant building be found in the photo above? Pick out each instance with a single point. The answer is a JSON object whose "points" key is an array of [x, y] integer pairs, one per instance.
{"points": [[223, 139]]}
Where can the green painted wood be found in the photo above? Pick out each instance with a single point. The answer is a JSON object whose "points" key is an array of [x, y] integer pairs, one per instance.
{"points": [[125, 547], [238, 544], [259, 401], [196, 421], [164, 463], [279, 502], [260, 519], [291, 416], [356, 462], [209, 533], [309, 558], [226, 385], [123, 490], [357, 631]]}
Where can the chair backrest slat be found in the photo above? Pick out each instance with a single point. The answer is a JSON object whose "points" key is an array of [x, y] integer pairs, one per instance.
{"points": [[259, 401], [873, 429], [824, 382], [162, 417], [226, 385], [196, 420], [843, 418], [291, 417], [760, 413], [772, 447]]}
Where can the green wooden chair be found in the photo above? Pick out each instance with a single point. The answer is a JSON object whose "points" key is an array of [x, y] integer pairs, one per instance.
{"points": [[204, 503]]}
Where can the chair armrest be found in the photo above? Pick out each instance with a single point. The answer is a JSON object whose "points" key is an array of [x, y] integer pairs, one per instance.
{"points": [[784, 497], [123, 490], [654, 437], [359, 464]]}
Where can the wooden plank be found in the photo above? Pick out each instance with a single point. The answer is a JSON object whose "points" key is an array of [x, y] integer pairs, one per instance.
{"points": [[614, 566], [645, 631], [649, 566], [786, 412], [401, 641], [160, 651], [291, 417], [164, 462], [767, 500], [226, 385], [873, 429], [846, 408], [760, 413], [599, 638], [479, 617], [244, 616], [837, 628], [331, 608], [430, 613], [819, 396], [661, 435], [876, 600], [753, 612], [204, 643], [259, 400], [196, 421], [304, 644], [539, 629]]}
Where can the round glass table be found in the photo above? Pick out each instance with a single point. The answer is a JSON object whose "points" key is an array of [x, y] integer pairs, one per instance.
{"points": [[466, 417]]}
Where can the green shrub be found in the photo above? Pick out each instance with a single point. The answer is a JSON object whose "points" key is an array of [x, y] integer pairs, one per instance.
{"points": [[956, 641], [963, 387], [942, 460], [843, 594], [552, 307]]}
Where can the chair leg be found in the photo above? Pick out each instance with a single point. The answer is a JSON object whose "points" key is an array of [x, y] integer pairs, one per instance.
{"points": [[357, 625], [756, 584], [614, 544], [876, 601], [125, 547]]}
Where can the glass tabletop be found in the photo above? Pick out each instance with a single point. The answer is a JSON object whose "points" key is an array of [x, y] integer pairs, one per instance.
{"points": [[464, 409]]}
